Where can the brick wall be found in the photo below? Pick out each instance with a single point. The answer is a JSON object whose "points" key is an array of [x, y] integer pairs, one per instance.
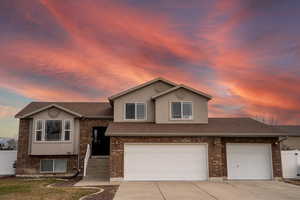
{"points": [[117, 151], [30, 165], [276, 155], [216, 152], [27, 164]]}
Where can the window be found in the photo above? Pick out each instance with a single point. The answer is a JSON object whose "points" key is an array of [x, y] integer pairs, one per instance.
{"points": [[53, 166], [130, 110], [67, 131], [181, 110], [53, 130], [38, 130], [135, 111]]}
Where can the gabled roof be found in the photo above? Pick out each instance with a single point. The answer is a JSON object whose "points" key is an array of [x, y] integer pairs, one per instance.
{"points": [[111, 98], [207, 96], [79, 109], [225, 127]]}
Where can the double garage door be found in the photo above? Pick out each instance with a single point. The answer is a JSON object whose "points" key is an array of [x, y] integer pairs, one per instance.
{"points": [[144, 162], [165, 162]]}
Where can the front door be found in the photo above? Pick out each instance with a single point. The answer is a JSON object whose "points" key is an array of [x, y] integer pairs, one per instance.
{"points": [[100, 142]]}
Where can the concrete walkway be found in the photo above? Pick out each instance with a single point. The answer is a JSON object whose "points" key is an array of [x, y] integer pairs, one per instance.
{"points": [[250, 190]]}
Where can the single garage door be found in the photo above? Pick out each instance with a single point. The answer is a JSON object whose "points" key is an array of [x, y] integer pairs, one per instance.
{"points": [[249, 161], [165, 162]]}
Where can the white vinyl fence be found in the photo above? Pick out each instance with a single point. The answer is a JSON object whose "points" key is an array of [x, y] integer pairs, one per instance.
{"points": [[290, 164], [7, 159]]}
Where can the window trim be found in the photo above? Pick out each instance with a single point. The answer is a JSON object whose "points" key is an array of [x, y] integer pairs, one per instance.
{"points": [[62, 135], [53, 166], [181, 104], [64, 130], [135, 111], [35, 130]]}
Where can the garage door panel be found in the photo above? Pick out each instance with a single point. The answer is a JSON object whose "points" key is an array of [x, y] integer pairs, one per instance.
{"points": [[249, 161], [165, 162]]}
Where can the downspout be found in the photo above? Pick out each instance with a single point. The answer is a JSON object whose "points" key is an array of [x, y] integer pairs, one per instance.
{"points": [[78, 149]]}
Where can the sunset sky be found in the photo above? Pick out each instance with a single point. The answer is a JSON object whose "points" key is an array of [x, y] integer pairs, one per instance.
{"points": [[245, 53]]}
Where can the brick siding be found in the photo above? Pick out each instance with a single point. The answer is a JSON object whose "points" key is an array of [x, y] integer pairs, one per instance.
{"points": [[30, 165], [86, 129], [216, 152]]}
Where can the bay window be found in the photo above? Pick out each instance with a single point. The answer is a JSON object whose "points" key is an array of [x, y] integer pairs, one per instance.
{"points": [[53, 130]]}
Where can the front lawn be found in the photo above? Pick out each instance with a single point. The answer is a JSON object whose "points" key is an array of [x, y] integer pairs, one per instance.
{"points": [[31, 189]]}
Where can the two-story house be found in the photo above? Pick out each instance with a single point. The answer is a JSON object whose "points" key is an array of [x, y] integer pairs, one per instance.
{"points": [[158, 130]]}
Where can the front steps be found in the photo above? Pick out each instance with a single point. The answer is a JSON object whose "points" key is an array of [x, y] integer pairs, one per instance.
{"points": [[97, 169]]}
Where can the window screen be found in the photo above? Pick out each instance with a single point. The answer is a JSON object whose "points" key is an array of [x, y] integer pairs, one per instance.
{"points": [[187, 110], [140, 111]]}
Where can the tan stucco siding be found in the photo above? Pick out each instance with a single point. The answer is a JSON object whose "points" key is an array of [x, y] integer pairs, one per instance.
{"points": [[162, 107], [142, 95], [291, 143], [51, 147]]}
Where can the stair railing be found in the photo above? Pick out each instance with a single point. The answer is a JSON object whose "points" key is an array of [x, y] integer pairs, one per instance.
{"points": [[86, 158]]}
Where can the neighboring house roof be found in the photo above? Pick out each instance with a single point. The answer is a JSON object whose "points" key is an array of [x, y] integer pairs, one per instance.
{"points": [[293, 130], [207, 96], [79, 109], [141, 86], [230, 127]]}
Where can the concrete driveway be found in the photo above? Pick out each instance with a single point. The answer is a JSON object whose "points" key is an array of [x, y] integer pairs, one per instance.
{"points": [[231, 190]]}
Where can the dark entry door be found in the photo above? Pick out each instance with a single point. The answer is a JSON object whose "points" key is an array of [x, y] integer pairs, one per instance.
{"points": [[100, 143]]}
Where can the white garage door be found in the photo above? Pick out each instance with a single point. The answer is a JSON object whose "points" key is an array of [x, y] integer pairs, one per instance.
{"points": [[249, 161], [165, 162]]}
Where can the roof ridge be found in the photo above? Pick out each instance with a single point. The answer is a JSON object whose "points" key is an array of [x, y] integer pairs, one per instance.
{"points": [[209, 97], [145, 84]]}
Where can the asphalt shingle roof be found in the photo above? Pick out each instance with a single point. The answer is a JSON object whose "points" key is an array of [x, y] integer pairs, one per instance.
{"points": [[215, 127], [86, 109]]}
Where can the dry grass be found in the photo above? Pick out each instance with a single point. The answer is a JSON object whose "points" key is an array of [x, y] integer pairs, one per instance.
{"points": [[31, 189]]}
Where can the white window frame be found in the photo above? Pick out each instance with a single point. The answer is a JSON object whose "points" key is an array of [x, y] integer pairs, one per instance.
{"points": [[35, 130], [135, 111], [62, 139], [181, 104], [64, 130], [53, 166]]}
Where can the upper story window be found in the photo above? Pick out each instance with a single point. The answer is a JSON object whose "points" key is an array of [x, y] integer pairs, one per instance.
{"points": [[53, 130], [135, 111], [181, 110]]}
